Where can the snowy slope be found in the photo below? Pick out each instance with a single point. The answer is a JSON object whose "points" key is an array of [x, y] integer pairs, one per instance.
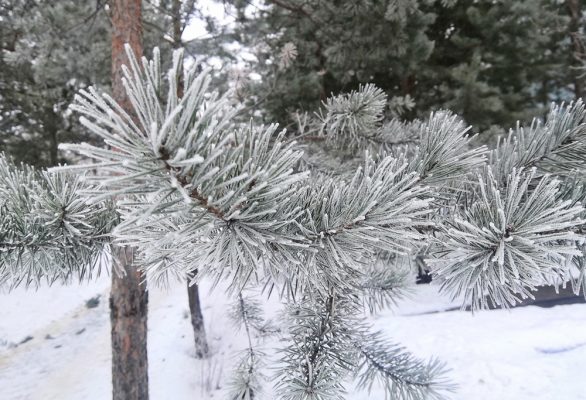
{"points": [[527, 353]]}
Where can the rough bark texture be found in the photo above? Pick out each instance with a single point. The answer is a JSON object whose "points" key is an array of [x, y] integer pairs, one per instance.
{"points": [[128, 315], [129, 297], [126, 28]]}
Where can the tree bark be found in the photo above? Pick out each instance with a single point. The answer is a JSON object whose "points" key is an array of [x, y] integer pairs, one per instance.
{"points": [[129, 297], [199, 333], [126, 28], [128, 316], [202, 349]]}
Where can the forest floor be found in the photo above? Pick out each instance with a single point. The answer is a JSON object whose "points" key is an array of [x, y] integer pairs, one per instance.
{"points": [[52, 346]]}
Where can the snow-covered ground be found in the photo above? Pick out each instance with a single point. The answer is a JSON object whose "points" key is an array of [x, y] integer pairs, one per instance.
{"points": [[526, 353]]}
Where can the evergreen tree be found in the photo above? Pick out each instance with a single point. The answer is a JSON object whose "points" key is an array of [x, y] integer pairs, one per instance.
{"points": [[42, 45], [50, 50], [492, 62], [495, 63], [241, 202], [309, 50]]}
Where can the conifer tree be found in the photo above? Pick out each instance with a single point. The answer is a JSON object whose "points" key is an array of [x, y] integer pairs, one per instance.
{"points": [[492, 62], [128, 295], [495, 63], [48, 51], [41, 70], [195, 188]]}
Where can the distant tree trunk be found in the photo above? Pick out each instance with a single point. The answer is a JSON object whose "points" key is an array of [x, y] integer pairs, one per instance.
{"points": [[129, 297], [51, 129], [407, 85], [202, 349], [578, 51], [545, 92], [199, 332]]}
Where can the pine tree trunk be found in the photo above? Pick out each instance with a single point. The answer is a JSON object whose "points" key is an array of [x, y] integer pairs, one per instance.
{"points": [[199, 333], [128, 316], [129, 298]]}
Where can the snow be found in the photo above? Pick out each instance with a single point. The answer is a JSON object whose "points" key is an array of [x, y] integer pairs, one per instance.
{"points": [[526, 353]]}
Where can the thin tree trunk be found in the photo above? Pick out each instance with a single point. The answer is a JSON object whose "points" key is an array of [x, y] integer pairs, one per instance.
{"points": [[577, 44], [199, 332], [51, 128], [177, 44], [129, 297]]}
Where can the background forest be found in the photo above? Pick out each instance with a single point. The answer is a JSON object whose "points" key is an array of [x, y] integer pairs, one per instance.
{"points": [[492, 62]]}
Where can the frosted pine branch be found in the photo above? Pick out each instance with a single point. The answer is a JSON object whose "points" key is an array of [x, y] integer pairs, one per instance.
{"points": [[556, 146], [509, 240], [402, 375], [248, 378], [48, 232], [330, 344]]}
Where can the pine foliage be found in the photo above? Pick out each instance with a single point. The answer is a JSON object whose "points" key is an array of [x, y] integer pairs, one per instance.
{"points": [[191, 174], [195, 188], [519, 226], [48, 232], [248, 378], [491, 62], [200, 190], [509, 239], [331, 343]]}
